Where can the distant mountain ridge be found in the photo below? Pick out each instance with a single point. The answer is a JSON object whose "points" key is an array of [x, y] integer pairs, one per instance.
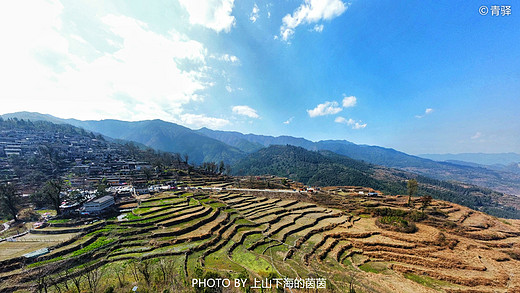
{"points": [[503, 180], [477, 158], [157, 134], [204, 145]]}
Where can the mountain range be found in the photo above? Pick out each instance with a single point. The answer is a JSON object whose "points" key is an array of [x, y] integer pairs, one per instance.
{"points": [[477, 158], [206, 145]]}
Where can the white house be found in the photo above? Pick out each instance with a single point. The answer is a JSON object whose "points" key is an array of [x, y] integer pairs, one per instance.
{"points": [[98, 205]]}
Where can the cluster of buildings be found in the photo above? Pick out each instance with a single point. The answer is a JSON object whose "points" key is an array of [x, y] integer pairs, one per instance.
{"points": [[83, 160], [88, 157]]}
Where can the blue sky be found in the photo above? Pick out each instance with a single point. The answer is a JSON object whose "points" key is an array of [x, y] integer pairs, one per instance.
{"points": [[417, 76]]}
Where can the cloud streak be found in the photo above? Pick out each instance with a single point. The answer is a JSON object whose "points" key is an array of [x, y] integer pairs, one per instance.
{"points": [[309, 12], [254, 14], [477, 135], [351, 122], [327, 108], [428, 111], [245, 111]]}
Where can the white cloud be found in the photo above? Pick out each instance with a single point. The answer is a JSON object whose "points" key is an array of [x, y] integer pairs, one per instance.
{"points": [[351, 122], [477, 135], [318, 28], [358, 125], [213, 14], [340, 119], [254, 14], [139, 79], [288, 121], [311, 11], [426, 112], [349, 101], [229, 89], [198, 120], [245, 111], [327, 108], [229, 58]]}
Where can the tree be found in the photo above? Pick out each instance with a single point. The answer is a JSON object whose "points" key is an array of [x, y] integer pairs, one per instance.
{"points": [[93, 279], [51, 194], [102, 188], [412, 189], [144, 267], [186, 157], [120, 271], [77, 280], [425, 200], [221, 167], [228, 169], [9, 200]]}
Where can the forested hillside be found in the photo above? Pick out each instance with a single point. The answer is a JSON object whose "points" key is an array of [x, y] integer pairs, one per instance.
{"points": [[325, 168]]}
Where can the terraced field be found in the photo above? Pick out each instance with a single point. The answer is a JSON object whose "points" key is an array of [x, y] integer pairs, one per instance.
{"points": [[173, 238]]}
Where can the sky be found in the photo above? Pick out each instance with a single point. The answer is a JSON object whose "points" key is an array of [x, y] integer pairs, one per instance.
{"points": [[417, 76]]}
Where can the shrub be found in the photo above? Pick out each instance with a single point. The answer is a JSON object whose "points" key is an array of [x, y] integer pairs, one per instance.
{"points": [[396, 223]]}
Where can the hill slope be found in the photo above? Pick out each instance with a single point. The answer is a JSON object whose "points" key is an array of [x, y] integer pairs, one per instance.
{"points": [[157, 134], [165, 136], [325, 168]]}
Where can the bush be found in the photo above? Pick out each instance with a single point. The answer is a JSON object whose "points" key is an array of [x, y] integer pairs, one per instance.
{"points": [[396, 223], [416, 216]]}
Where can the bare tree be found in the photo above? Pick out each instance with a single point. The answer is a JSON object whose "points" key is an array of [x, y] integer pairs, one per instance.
{"points": [[134, 270], [76, 280], [93, 279], [165, 267], [144, 268], [42, 280], [120, 271]]}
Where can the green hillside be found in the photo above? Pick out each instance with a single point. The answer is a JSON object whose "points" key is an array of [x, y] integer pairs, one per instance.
{"points": [[325, 168]]}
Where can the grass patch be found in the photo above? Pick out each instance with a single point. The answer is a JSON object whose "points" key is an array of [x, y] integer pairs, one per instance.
{"points": [[141, 210], [243, 222], [217, 204], [220, 261], [44, 262], [252, 261], [426, 281], [505, 222], [100, 242], [373, 267], [396, 223], [41, 212], [60, 221]]}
